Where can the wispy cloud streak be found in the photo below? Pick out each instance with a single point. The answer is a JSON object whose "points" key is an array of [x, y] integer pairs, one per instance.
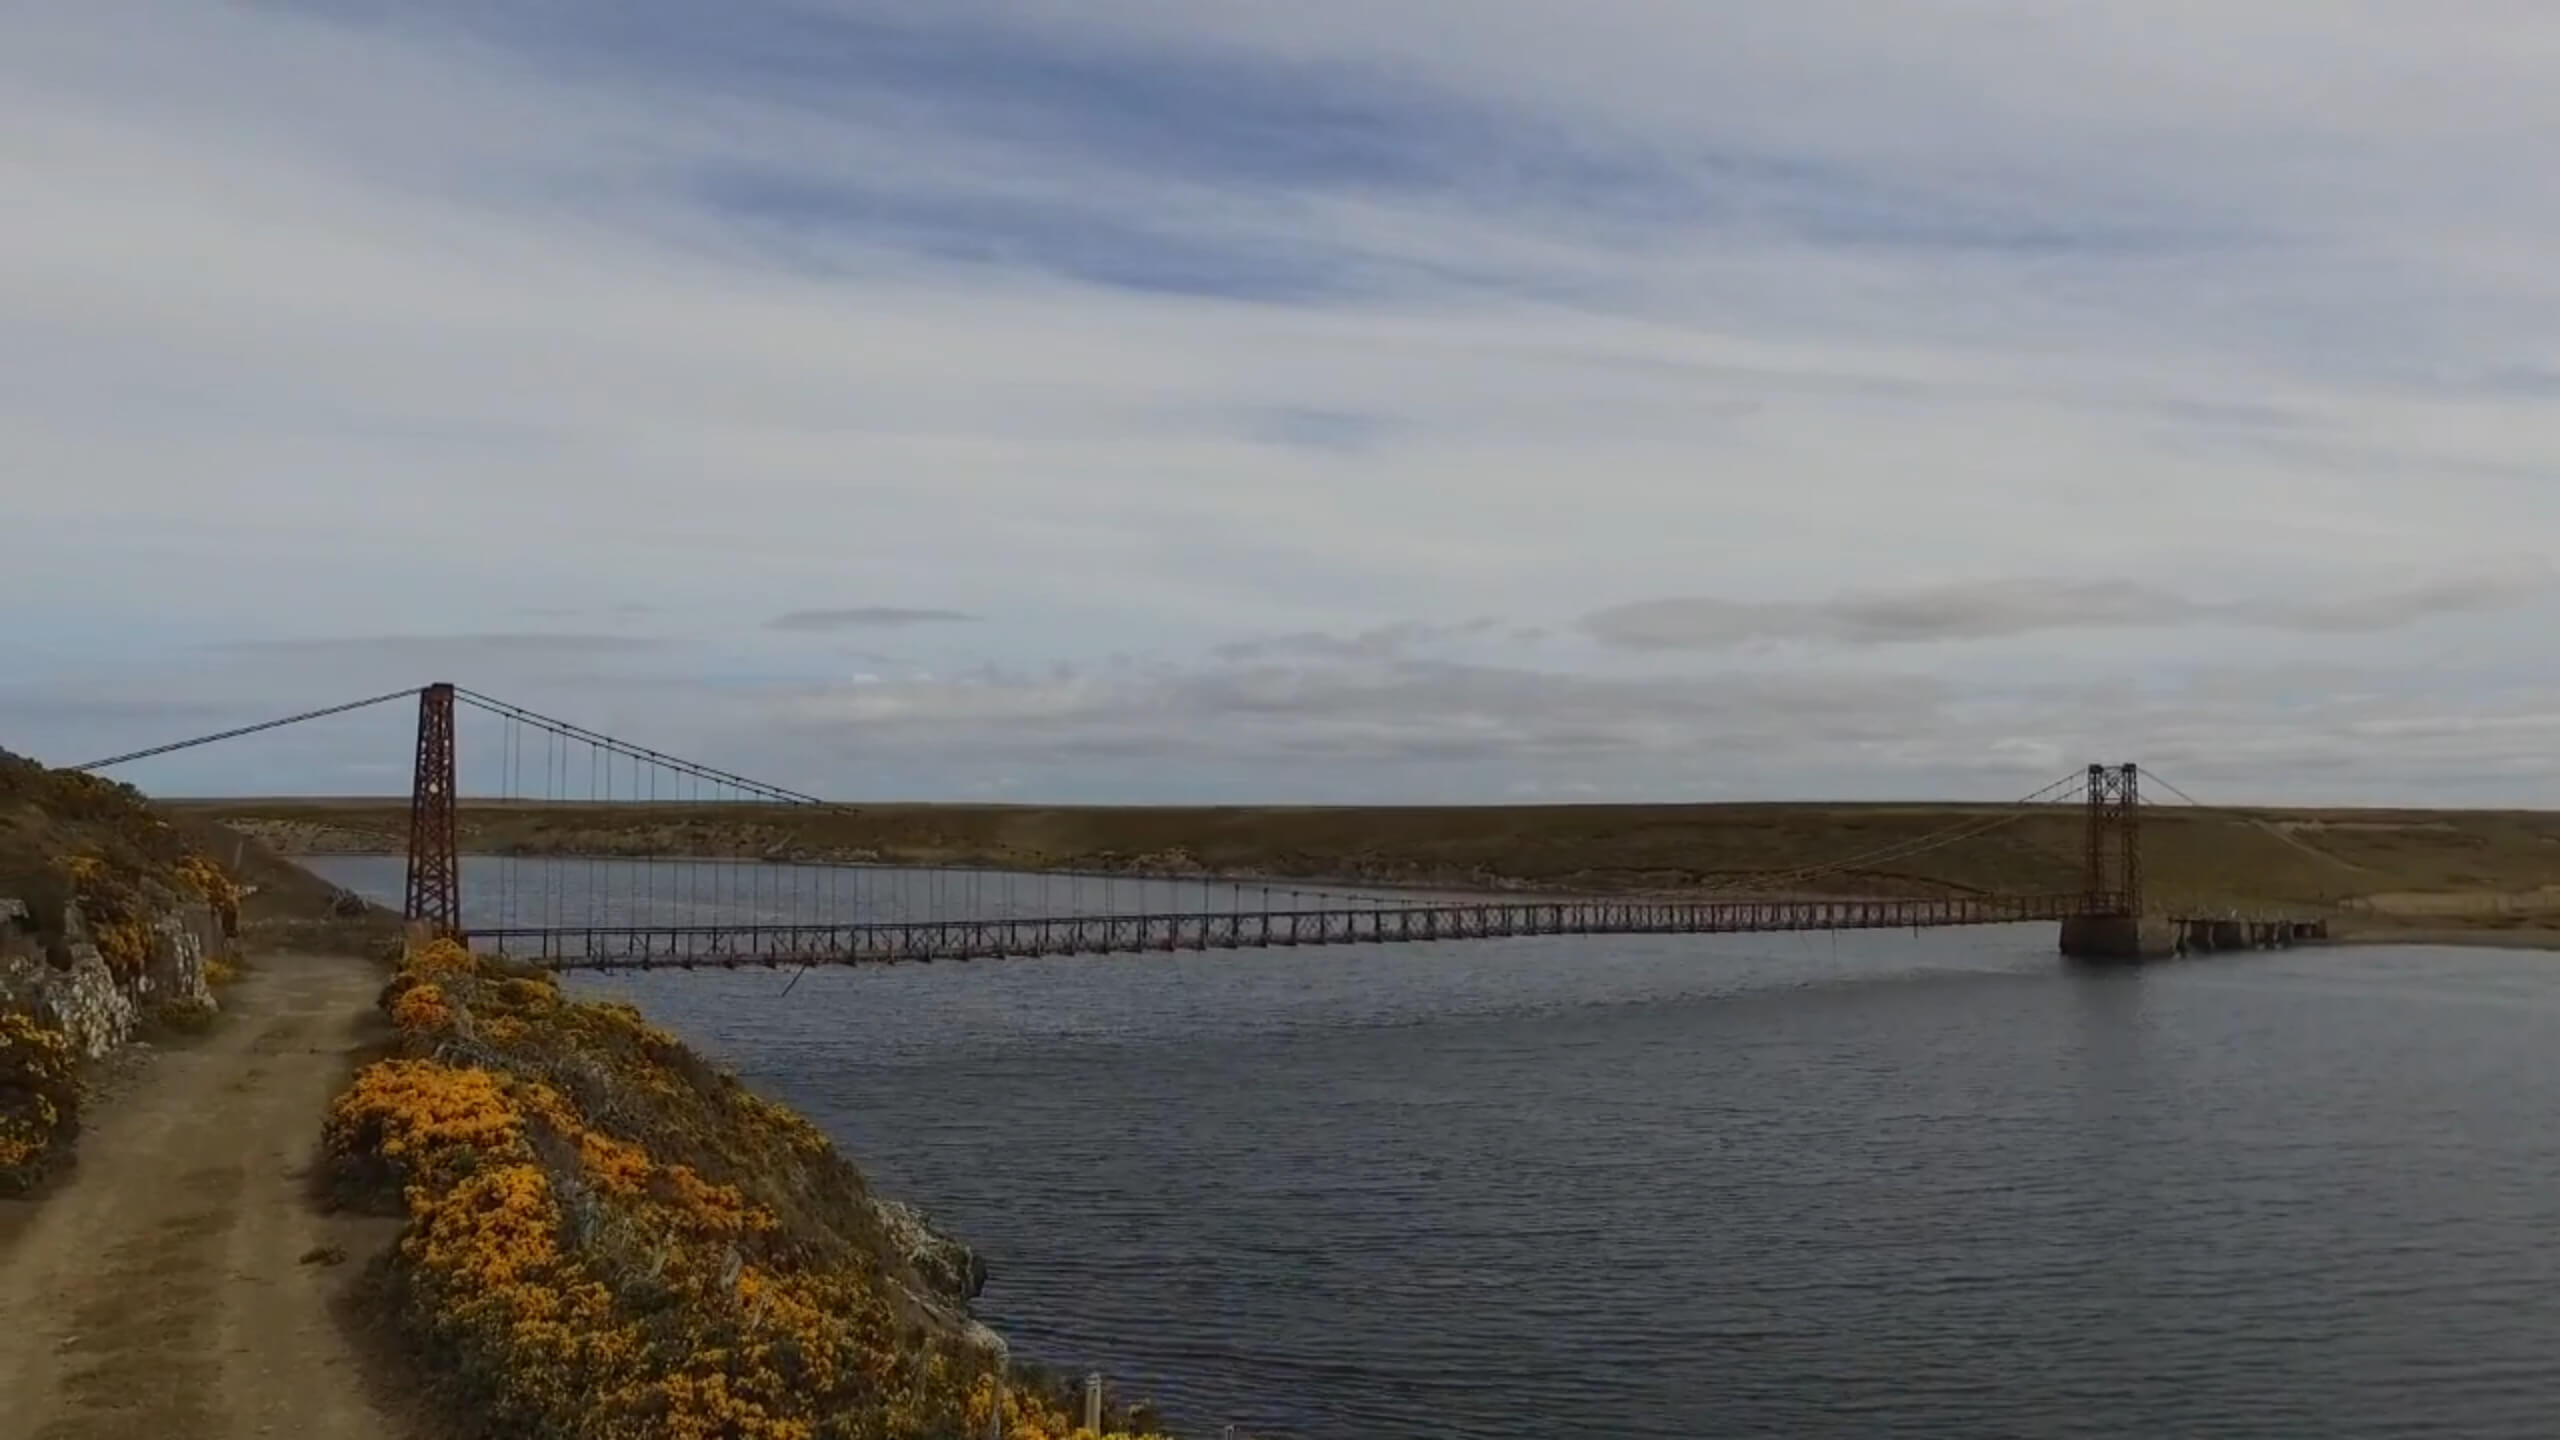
{"points": [[1196, 349], [1985, 610]]}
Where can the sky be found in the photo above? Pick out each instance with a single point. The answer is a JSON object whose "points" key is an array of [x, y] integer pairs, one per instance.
{"points": [[1349, 400]]}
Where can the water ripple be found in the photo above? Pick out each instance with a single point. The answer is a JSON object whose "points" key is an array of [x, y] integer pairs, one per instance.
{"points": [[1908, 1186]]}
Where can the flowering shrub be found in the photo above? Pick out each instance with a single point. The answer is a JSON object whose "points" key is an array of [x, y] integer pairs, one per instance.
{"points": [[39, 1098], [200, 877], [607, 1238], [118, 911], [107, 896], [80, 854], [207, 882], [420, 1008], [67, 835]]}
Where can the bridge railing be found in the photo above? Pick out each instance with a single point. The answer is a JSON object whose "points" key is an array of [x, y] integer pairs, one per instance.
{"points": [[894, 941]]}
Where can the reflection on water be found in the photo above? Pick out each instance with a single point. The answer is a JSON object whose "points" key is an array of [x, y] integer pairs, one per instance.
{"points": [[1933, 1185]]}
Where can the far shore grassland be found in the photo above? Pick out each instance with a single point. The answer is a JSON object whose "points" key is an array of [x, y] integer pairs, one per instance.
{"points": [[2419, 876]]}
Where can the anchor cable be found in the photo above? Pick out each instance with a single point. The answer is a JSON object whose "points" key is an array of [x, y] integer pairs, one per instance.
{"points": [[174, 746]]}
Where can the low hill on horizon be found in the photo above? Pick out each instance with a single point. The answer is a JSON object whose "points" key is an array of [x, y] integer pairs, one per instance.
{"points": [[2447, 868]]}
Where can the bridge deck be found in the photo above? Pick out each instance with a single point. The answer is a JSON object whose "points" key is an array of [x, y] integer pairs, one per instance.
{"points": [[644, 947]]}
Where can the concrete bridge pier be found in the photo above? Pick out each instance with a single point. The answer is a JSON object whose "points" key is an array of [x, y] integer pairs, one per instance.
{"points": [[2127, 938], [2207, 934], [2119, 939]]}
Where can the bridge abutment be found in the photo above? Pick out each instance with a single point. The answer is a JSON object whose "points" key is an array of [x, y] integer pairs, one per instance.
{"points": [[2121, 939], [2124, 938]]}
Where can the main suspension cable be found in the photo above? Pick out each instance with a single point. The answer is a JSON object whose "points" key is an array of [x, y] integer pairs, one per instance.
{"points": [[171, 748]]}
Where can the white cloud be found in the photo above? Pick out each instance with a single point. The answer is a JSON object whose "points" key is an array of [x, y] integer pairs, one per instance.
{"points": [[408, 327], [1979, 610]]}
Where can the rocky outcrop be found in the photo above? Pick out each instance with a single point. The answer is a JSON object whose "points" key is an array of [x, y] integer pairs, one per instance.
{"points": [[954, 1270], [182, 939], [68, 982], [17, 929]]}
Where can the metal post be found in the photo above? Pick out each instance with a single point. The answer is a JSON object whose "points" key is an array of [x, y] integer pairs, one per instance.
{"points": [[2111, 876], [2129, 822], [2093, 869], [435, 865], [1093, 1402]]}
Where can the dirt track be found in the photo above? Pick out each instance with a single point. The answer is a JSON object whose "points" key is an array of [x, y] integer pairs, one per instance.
{"points": [[160, 1291]]}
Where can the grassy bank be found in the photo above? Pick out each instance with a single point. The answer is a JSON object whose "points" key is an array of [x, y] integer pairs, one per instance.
{"points": [[2460, 871], [607, 1237]]}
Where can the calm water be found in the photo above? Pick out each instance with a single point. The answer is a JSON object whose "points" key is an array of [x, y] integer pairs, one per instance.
{"points": [[1931, 1185]]}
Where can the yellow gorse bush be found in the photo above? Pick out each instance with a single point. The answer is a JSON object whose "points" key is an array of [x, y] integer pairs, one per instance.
{"points": [[609, 1240], [200, 877], [421, 1009], [114, 909], [39, 1096]]}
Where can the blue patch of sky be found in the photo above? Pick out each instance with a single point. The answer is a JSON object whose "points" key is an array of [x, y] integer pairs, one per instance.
{"points": [[1230, 118], [801, 219], [1227, 121]]}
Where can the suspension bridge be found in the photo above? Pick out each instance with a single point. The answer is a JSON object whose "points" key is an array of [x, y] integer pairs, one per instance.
{"points": [[685, 900]]}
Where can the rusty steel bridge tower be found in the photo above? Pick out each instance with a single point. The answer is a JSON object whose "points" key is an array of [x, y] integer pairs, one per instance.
{"points": [[2111, 875], [435, 862]]}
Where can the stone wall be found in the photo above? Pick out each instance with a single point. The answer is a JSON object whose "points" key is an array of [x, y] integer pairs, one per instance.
{"points": [[67, 982]]}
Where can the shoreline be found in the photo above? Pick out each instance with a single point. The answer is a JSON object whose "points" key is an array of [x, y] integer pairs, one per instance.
{"points": [[2451, 937], [586, 1174], [1476, 886], [2427, 876], [2207, 860], [2536, 930]]}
